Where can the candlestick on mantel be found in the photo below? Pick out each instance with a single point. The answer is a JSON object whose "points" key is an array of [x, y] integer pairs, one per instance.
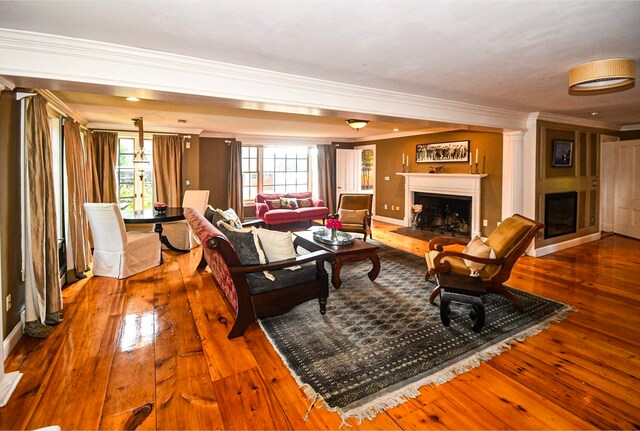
{"points": [[476, 156]]}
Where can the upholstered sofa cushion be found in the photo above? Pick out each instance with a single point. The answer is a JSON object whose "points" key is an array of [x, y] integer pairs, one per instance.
{"points": [[506, 236], [258, 283]]}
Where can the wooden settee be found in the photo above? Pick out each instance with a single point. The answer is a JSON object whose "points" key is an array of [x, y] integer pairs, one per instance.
{"points": [[249, 294]]}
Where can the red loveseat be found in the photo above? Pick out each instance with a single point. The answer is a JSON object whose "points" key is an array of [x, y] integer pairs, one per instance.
{"points": [[317, 210]]}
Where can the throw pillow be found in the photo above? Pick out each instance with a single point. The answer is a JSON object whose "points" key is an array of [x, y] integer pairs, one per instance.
{"points": [[476, 247], [212, 215], [304, 203], [228, 216], [289, 203], [277, 245], [352, 216], [247, 245], [273, 204]]}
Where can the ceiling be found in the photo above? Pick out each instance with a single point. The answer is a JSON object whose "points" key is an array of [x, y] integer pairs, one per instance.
{"points": [[512, 55]]}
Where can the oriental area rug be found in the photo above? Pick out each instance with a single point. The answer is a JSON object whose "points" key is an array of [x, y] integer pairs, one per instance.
{"points": [[380, 341]]}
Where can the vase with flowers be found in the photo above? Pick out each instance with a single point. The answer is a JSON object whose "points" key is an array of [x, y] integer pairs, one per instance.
{"points": [[333, 224]]}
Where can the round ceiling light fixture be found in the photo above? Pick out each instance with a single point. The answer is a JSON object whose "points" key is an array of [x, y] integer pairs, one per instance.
{"points": [[133, 99], [602, 76], [357, 124]]}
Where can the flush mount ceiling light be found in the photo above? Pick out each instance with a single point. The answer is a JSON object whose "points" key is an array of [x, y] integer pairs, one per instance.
{"points": [[357, 124], [133, 99], [602, 76]]}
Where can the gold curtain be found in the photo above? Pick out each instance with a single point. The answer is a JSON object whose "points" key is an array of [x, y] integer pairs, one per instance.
{"points": [[234, 181], [167, 169], [43, 294], [327, 175], [102, 154], [77, 190]]}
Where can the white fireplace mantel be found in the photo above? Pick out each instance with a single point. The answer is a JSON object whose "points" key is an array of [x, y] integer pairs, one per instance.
{"points": [[444, 184]]}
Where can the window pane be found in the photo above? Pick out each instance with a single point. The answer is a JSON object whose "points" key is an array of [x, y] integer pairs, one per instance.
{"points": [[245, 165], [254, 179], [125, 160], [280, 178], [253, 165], [280, 189], [267, 189], [148, 147], [302, 164], [301, 178], [291, 164], [126, 145], [281, 165]]}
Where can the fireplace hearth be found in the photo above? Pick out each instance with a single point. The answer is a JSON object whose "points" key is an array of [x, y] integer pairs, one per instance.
{"points": [[443, 214]]}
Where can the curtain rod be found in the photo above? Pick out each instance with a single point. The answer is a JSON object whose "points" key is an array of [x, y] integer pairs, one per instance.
{"points": [[133, 131]]}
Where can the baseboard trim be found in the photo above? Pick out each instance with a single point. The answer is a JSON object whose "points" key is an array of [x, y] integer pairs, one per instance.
{"points": [[12, 340], [543, 251], [395, 221]]}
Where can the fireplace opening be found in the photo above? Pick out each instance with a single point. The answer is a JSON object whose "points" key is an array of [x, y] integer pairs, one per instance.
{"points": [[560, 211], [443, 214]]}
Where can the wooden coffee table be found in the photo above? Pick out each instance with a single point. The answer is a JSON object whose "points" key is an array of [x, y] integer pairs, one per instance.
{"points": [[356, 252]]}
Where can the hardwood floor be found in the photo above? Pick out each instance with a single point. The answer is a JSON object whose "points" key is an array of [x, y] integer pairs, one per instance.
{"points": [[151, 352]]}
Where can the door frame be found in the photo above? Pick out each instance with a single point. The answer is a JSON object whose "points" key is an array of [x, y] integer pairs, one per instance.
{"points": [[607, 181]]}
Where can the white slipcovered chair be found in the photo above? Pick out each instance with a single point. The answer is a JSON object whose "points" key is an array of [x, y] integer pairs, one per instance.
{"points": [[116, 252], [179, 233]]}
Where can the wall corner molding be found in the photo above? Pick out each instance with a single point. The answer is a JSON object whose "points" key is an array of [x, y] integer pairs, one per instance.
{"points": [[584, 122], [6, 84]]}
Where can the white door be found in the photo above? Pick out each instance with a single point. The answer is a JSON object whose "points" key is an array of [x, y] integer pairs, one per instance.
{"points": [[347, 171], [626, 220]]}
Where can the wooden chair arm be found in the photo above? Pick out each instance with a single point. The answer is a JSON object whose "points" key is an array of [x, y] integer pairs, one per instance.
{"points": [[438, 243], [437, 262], [303, 258]]}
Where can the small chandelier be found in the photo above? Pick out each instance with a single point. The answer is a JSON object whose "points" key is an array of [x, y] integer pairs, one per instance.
{"points": [[357, 124], [140, 161], [602, 76]]}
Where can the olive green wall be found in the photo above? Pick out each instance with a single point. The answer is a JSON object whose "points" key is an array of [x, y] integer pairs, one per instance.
{"points": [[10, 209], [214, 169], [389, 161], [627, 135], [582, 176]]}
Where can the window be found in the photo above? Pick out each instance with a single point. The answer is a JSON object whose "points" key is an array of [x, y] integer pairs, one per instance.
{"points": [[135, 186], [277, 170], [59, 185]]}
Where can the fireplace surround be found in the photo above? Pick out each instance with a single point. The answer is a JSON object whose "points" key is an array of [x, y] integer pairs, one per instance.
{"points": [[467, 185]]}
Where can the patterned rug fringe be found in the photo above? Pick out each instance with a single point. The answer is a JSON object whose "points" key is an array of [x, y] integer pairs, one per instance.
{"points": [[371, 409]]}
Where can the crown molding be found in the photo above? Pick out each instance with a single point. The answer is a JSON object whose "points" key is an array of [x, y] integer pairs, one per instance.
{"points": [[584, 122], [630, 127], [281, 140], [6, 84], [151, 129], [45, 56], [62, 107]]}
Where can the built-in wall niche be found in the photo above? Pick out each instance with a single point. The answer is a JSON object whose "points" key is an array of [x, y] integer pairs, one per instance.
{"points": [[560, 214]]}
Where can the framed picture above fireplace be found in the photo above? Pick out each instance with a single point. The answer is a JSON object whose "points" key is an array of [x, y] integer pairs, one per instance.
{"points": [[443, 152], [562, 153]]}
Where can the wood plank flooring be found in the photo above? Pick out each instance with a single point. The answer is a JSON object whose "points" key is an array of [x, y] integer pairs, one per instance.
{"points": [[151, 352]]}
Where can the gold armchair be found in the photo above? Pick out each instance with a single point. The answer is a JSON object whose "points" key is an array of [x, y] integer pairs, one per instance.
{"points": [[354, 212], [508, 241]]}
